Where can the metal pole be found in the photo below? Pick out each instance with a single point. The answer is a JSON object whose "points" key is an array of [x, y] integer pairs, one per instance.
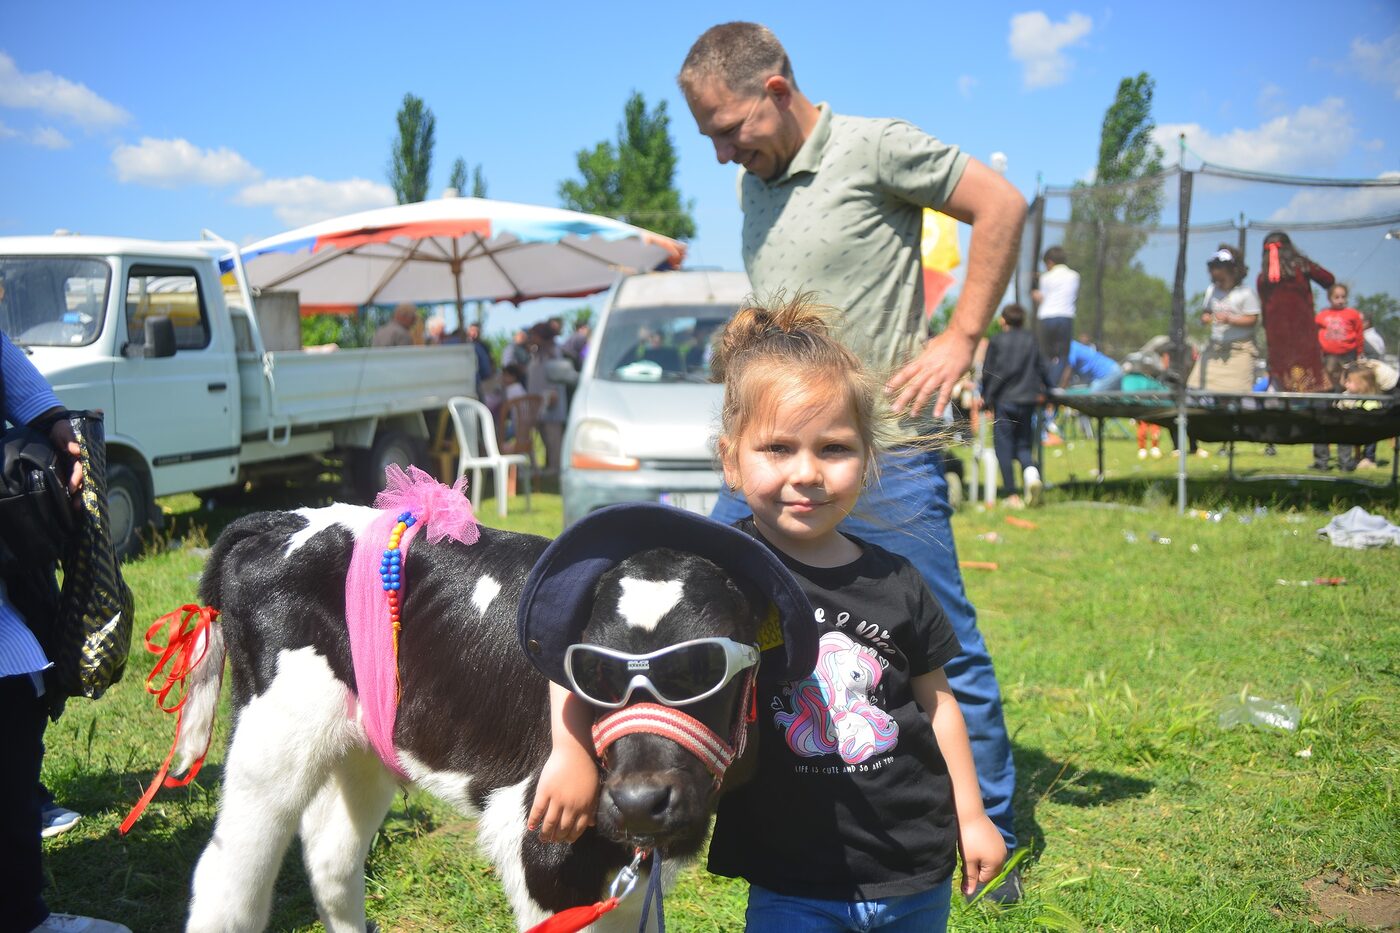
{"points": [[1180, 358]]}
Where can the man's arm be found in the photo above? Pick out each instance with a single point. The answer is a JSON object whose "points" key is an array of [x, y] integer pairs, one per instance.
{"points": [[996, 212]]}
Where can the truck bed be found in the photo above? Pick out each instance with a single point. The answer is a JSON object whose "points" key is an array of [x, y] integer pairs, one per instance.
{"points": [[306, 389]]}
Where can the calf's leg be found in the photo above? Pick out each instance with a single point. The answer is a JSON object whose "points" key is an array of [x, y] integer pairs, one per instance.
{"points": [[336, 832], [285, 742]]}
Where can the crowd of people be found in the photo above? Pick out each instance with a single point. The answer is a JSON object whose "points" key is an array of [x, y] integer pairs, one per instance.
{"points": [[527, 389]]}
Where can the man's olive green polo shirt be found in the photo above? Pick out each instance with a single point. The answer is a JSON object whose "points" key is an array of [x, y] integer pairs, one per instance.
{"points": [[844, 221]]}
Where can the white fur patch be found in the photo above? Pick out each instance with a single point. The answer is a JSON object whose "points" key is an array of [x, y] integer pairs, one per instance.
{"points": [[450, 786], [499, 833], [644, 602], [485, 591], [356, 518]]}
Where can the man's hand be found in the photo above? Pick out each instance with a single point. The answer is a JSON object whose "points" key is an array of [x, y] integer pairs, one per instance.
{"points": [[932, 374]]}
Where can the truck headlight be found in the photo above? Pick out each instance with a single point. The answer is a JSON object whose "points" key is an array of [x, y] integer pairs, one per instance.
{"points": [[598, 446]]}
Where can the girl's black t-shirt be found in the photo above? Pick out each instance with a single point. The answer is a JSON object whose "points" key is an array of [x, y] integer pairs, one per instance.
{"points": [[851, 798]]}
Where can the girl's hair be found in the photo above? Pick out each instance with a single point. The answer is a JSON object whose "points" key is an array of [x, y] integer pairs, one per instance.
{"points": [[788, 344], [1365, 371], [1342, 285], [1229, 257], [1290, 261]]}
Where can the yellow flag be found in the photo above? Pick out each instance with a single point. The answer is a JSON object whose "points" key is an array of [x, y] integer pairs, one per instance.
{"points": [[939, 246]]}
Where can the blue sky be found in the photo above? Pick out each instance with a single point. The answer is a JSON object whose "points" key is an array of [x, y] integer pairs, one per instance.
{"points": [[158, 120]]}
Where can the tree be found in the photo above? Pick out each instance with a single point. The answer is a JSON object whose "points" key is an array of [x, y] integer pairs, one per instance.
{"points": [[458, 180], [411, 154], [1383, 311], [1109, 220], [634, 179]]}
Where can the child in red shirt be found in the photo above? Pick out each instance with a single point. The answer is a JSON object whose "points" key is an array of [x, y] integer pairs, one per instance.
{"points": [[1340, 330]]}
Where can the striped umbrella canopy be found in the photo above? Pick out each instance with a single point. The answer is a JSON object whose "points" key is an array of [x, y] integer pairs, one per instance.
{"points": [[453, 249]]}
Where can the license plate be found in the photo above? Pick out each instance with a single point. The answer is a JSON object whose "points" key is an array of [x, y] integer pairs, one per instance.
{"points": [[699, 502]]}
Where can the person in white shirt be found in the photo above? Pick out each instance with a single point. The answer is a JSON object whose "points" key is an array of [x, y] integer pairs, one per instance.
{"points": [[1056, 295]]}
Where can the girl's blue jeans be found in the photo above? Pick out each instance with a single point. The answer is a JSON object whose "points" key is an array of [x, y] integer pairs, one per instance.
{"points": [[925, 912]]}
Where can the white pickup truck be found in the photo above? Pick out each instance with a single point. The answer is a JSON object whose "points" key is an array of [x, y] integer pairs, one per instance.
{"points": [[193, 402]]}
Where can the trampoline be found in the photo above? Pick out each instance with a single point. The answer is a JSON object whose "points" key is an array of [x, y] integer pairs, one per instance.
{"points": [[1142, 260], [1260, 417]]}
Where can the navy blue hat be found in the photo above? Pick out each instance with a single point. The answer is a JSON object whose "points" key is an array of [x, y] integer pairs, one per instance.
{"points": [[558, 598]]}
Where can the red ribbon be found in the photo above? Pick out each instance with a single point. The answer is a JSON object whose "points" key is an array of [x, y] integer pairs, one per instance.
{"points": [[575, 918], [185, 648], [1274, 272]]}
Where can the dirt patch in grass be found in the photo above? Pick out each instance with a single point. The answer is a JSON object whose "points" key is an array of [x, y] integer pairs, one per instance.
{"points": [[1369, 908]]}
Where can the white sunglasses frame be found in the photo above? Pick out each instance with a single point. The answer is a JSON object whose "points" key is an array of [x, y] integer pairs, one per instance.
{"points": [[738, 657]]}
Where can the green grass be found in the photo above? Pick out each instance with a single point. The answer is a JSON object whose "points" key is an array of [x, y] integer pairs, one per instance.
{"points": [[1115, 659]]}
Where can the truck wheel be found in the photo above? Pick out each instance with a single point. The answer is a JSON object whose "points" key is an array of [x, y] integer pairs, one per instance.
{"points": [[128, 510], [389, 447]]}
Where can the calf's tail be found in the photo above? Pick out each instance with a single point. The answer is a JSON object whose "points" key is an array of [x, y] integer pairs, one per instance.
{"points": [[202, 685]]}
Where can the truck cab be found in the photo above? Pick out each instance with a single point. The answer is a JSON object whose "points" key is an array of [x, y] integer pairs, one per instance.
{"points": [[84, 307]]}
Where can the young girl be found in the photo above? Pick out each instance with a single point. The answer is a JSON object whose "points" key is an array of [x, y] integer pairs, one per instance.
{"points": [[1340, 332], [865, 787], [1232, 311], [1285, 294]]}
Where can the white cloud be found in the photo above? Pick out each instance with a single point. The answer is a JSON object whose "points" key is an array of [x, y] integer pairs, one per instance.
{"points": [[1378, 62], [304, 200], [176, 163], [1334, 203], [46, 137], [1038, 44], [49, 138], [1311, 137], [965, 85], [57, 96]]}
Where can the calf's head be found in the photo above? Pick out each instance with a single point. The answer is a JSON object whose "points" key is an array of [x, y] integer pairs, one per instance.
{"points": [[639, 578], [657, 793]]}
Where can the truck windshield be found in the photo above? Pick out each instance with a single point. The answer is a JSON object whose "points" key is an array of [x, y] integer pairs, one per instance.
{"points": [[660, 344], [52, 301]]}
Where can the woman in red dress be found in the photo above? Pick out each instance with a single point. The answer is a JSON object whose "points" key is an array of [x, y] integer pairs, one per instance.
{"points": [[1285, 295]]}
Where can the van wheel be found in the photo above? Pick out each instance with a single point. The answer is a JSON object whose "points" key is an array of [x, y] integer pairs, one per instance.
{"points": [[390, 447], [128, 510]]}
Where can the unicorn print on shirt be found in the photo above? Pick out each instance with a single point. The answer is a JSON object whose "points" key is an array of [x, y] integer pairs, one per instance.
{"points": [[831, 710]]}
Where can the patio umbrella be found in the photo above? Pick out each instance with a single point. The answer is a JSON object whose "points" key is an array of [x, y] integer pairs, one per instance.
{"points": [[453, 249]]}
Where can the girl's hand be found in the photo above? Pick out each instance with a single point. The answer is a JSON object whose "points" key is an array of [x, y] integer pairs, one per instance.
{"points": [[983, 852], [566, 798]]}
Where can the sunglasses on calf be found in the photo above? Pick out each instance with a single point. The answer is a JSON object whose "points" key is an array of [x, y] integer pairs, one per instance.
{"points": [[677, 676]]}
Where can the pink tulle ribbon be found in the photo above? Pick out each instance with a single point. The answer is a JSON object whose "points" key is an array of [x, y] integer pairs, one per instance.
{"points": [[1274, 272], [442, 511]]}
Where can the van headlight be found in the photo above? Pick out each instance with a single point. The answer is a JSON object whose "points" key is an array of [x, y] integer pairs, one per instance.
{"points": [[598, 446]]}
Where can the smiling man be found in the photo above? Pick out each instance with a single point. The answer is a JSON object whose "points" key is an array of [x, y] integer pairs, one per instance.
{"points": [[833, 204]]}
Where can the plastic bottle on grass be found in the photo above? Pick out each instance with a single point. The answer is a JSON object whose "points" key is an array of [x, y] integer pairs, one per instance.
{"points": [[1257, 711]]}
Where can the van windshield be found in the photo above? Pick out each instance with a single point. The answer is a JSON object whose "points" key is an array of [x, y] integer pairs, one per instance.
{"points": [[660, 344], [52, 301]]}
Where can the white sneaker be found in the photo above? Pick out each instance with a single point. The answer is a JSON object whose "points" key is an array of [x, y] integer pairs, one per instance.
{"points": [[54, 819], [1034, 487], [1156, 453], [68, 923], [1142, 453]]}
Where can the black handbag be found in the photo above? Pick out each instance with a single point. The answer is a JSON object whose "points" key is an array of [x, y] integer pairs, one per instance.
{"points": [[36, 515]]}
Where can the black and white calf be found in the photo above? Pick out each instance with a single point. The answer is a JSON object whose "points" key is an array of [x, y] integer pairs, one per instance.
{"points": [[472, 723]]}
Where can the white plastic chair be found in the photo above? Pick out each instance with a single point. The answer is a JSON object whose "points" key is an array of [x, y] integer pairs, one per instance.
{"points": [[477, 430]]}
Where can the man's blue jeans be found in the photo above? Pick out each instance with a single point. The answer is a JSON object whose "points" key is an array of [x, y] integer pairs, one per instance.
{"points": [[906, 511], [925, 912]]}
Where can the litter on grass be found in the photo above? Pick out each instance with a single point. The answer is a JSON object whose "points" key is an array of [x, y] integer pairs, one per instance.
{"points": [[1359, 529], [1015, 522], [1316, 581], [991, 537], [1256, 711], [978, 565]]}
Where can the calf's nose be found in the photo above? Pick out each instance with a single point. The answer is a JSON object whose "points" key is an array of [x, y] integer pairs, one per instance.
{"points": [[643, 804]]}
